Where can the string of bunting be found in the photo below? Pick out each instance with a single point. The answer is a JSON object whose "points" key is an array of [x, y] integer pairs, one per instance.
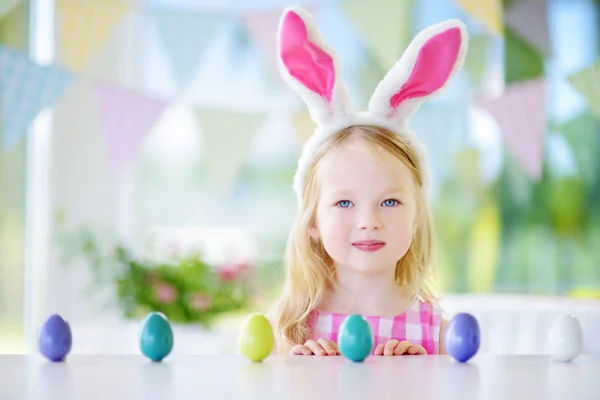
{"points": [[83, 28]]}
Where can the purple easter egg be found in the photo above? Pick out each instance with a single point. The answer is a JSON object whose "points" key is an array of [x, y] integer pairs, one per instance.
{"points": [[55, 338], [462, 337]]}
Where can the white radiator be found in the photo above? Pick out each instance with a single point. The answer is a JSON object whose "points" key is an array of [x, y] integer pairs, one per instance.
{"points": [[515, 324]]}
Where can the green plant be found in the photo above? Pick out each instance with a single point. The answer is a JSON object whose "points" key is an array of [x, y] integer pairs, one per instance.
{"points": [[184, 288]]}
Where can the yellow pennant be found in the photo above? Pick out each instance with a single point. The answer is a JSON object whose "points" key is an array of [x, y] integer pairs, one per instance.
{"points": [[489, 12], [384, 26], [303, 126], [587, 82], [6, 6], [84, 26]]}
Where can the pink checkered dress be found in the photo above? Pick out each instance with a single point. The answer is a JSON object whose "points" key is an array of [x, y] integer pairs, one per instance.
{"points": [[420, 324]]}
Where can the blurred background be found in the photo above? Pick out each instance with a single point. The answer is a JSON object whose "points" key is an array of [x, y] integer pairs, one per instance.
{"points": [[148, 149]]}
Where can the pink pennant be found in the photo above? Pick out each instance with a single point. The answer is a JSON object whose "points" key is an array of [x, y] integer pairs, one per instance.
{"points": [[529, 18], [262, 27], [521, 115], [126, 117]]}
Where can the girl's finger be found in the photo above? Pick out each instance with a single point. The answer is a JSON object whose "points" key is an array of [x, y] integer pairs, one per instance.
{"points": [[379, 349], [417, 349], [315, 347], [402, 347], [388, 350], [300, 350], [327, 345]]}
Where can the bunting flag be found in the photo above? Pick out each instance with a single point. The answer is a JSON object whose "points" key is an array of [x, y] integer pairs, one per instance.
{"points": [[488, 12], [366, 78], [227, 137], [529, 19], [385, 26], [522, 61], [303, 125], [521, 116], [6, 6], [84, 27], [126, 117], [26, 88], [185, 37], [587, 82], [262, 28], [475, 61], [582, 133]]}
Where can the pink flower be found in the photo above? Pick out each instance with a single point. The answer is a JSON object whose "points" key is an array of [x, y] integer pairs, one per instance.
{"points": [[231, 272], [164, 292], [201, 302]]}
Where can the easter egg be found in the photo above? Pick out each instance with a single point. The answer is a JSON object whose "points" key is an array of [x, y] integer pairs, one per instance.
{"points": [[55, 338], [156, 337], [256, 338], [462, 337], [565, 338], [355, 338]]}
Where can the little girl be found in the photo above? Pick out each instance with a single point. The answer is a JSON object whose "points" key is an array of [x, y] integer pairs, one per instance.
{"points": [[361, 242]]}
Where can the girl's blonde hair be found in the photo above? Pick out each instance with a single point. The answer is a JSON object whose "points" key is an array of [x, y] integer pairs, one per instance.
{"points": [[309, 269]]}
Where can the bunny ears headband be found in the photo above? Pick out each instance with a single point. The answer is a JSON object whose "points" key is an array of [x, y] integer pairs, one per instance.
{"points": [[313, 71]]}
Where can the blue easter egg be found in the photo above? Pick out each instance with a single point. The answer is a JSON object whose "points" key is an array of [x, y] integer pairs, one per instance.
{"points": [[355, 338], [156, 337], [462, 337], [55, 338]]}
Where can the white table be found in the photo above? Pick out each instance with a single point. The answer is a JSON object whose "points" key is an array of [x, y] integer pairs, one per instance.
{"points": [[130, 377]]}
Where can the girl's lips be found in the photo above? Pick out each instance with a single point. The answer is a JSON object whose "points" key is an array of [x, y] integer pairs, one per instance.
{"points": [[368, 245]]}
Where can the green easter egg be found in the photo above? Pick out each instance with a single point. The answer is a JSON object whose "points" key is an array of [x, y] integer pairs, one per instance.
{"points": [[156, 337], [256, 337]]}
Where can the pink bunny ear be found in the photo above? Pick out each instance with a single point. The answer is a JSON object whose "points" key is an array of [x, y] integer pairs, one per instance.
{"points": [[432, 59], [309, 67]]}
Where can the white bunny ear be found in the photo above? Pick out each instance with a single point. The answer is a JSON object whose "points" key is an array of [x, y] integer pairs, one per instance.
{"points": [[427, 65], [310, 67]]}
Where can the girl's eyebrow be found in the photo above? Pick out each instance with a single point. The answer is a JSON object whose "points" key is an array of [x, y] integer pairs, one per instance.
{"points": [[344, 192]]}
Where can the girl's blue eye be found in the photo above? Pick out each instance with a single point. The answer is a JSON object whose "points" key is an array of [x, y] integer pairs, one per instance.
{"points": [[390, 203], [344, 203]]}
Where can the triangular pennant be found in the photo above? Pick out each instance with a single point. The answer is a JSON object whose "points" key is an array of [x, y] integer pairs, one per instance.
{"points": [[521, 115], [84, 26], [529, 18], [488, 12], [587, 82], [366, 79], [303, 126], [385, 26], [582, 133], [26, 88], [185, 37], [522, 62], [126, 117], [227, 136], [262, 28], [6, 6], [475, 61]]}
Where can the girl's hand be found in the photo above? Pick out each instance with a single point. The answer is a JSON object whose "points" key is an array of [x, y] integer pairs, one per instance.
{"points": [[321, 347], [396, 348]]}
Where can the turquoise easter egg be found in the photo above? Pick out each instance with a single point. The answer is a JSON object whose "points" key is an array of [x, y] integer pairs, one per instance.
{"points": [[156, 337], [355, 338]]}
